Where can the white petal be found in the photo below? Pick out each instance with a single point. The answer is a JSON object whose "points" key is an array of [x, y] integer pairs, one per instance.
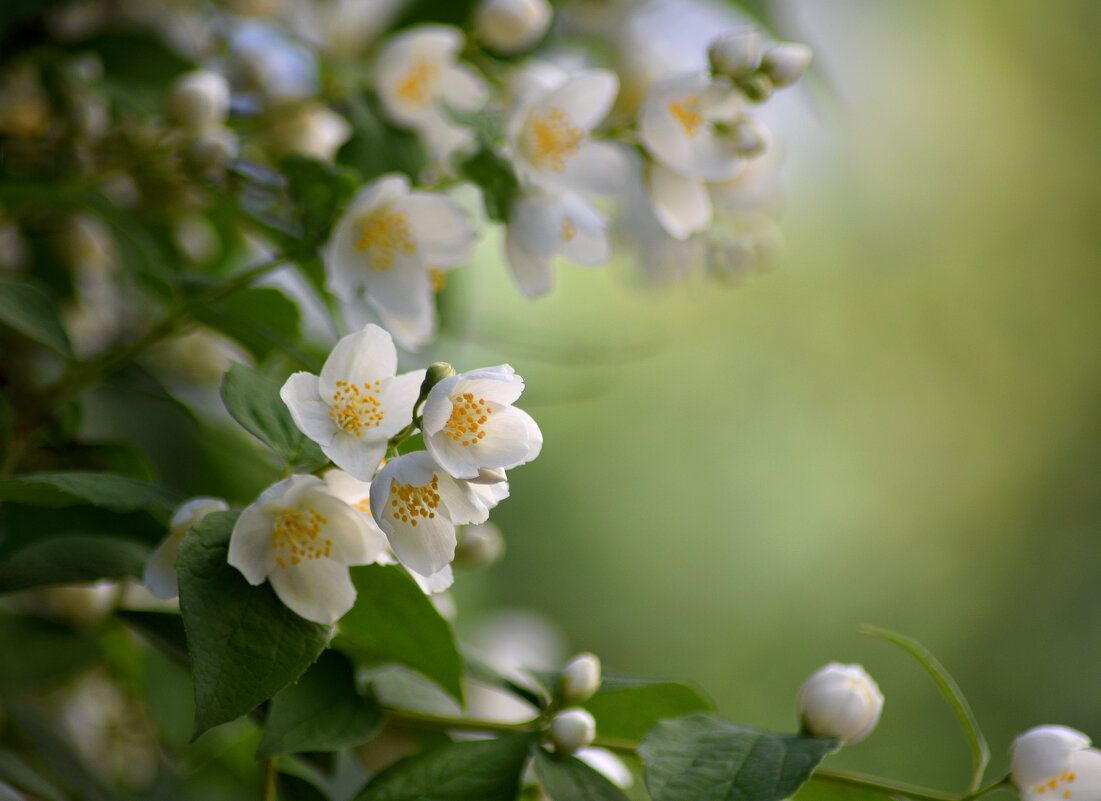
{"points": [[441, 228], [360, 456], [359, 358], [347, 268], [681, 204], [463, 89], [443, 137], [250, 548], [320, 590], [598, 168], [425, 548], [397, 396], [607, 763], [485, 496], [437, 582], [588, 242], [536, 223], [311, 415], [463, 504], [585, 97], [160, 569], [531, 272], [345, 529], [412, 326], [192, 511]]}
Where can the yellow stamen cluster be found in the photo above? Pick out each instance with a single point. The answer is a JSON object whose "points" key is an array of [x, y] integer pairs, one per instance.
{"points": [[418, 86], [468, 415], [300, 532], [383, 236], [552, 138], [439, 279], [355, 409], [407, 502], [687, 112], [1053, 784], [569, 231]]}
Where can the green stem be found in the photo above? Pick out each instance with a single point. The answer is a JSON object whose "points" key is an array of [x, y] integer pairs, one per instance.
{"points": [[271, 777], [882, 787], [427, 720]]}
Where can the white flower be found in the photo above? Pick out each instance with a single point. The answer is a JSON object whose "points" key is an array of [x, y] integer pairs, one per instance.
{"points": [[357, 403], [1055, 762], [548, 135], [543, 226], [686, 122], [198, 101], [469, 423], [840, 701], [580, 678], [311, 130], [572, 729], [160, 570], [736, 53], [390, 244], [357, 494], [419, 77], [302, 538], [417, 504], [512, 26]]}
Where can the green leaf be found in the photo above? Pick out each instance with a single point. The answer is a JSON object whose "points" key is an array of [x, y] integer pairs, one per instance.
{"points": [[138, 68], [253, 400], [320, 191], [377, 147], [980, 752], [569, 779], [164, 629], [47, 653], [64, 560], [33, 313], [260, 318], [18, 773], [245, 645], [625, 709], [497, 179], [295, 788], [393, 620], [700, 757], [476, 770], [819, 789], [320, 712], [107, 490]]}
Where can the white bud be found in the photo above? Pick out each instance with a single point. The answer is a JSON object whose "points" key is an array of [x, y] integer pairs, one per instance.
{"points": [[479, 545], [735, 54], [313, 130], [840, 701], [1055, 762], [214, 147], [784, 63], [571, 730], [198, 100], [580, 678], [512, 26], [749, 139]]}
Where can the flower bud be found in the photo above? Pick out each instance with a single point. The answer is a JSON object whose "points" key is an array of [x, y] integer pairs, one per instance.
{"points": [[198, 100], [749, 140], [840, 701], [213, 148], [580, 678], [571, 730], [784, 63], [735, 54], [479, 545], [756, 86], [313, 130], [512, 26], [1055, 762]]}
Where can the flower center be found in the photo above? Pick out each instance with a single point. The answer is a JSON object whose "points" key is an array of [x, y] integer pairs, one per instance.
{"points": [[418, 86], [1053, 784], [383, 236], [569, 231], [687, 112], [299, 532], [354, 409], [468, 415], [407, 502], [439, 279], [552, 138]]}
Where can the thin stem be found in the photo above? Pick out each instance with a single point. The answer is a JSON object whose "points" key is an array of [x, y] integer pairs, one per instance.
{"points": [[455, 723], [271, 777]]}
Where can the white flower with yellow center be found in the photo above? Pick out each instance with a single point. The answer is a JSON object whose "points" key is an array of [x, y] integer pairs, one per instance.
{"points": [[302, 538], [357, 494], [418, 78], [391, 245], [417, 504], [543, 226], [357, 403], [549, 135], [1053, 763], [160, 570], [470, 425]]}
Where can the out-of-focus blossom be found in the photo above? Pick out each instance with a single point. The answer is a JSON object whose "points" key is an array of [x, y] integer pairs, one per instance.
{"points": [[736, 53], [280, 68], [784, 63], [479, 545], [343, 27], [160, 569], [310, 130], [302, 538], [512, 26], [357, 403], [390, 245], [543, 226], [580, 678], [198, 101]]}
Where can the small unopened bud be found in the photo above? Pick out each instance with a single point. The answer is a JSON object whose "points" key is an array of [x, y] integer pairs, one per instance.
{"points": [[198, 100], [735, 54], [436, 372], [784, 63], [314, 131], [757, 87], [479, 545], [580, 678], [748, 138], [571, 730], [840, 701], [512, 26], [214, 148]]}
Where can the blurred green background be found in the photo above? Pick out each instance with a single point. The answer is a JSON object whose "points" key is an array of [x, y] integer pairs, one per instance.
{"points": [[899, 426]]}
